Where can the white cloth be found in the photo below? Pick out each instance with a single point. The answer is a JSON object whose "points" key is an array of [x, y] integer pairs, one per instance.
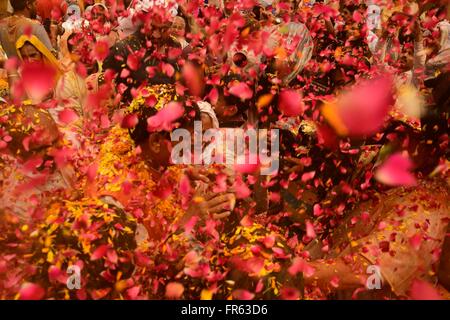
{"points": [[73, 18], [373, 17], [205, 107], [442, 59]]}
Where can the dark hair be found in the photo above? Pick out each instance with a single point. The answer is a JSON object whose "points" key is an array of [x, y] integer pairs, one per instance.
{"points": [[19, 5], [140, 134], [231, 100]]}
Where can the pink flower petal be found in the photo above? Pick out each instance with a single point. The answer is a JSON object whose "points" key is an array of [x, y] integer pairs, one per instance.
{"points": [[310, 233], [421, 290], [38, 80], [133, 62], [67, 116], [174, 290], [168, 69], [185, 186], [241, 90], [165, 118], [308, 176], [415, 241], [133, 292], [101, 50], [300, 265], [193, 79], [31, 291], [291, 103], [241, 189], [241, 294], [363, 110], [395, 171]]}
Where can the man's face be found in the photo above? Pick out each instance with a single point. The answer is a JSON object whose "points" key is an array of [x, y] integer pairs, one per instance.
{"points": [[224, 111], [30, 53], [32, 9]]}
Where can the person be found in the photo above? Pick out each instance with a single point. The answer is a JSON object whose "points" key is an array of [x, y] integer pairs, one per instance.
{"points": [[99, 236], [439, 63], [178, 31], [67, 96], [70, 88], [100, 23], [154, 162], [400, 231], [51, 13], [155, 59], [73, 19], [23, 187], [384, 239], [13, 27]]}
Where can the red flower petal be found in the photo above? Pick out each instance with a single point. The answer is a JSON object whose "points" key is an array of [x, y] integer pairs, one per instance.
{"points": [[129, 121], [101, 50], [133, 62], [290, 294]]}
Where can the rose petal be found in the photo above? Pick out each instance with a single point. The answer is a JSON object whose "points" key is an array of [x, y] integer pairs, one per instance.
{"points": [[395, 171], [291, 103], [241, 90], [38, 80], [174, 290], [31, 291]]}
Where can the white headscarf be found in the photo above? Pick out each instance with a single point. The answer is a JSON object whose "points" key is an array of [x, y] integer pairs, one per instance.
{"points": [[444, 26], [73, 21], [205, 107]]}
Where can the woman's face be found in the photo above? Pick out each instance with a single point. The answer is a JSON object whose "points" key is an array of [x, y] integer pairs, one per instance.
{"points": [[30, 53], [178, 27], [99, 13]]}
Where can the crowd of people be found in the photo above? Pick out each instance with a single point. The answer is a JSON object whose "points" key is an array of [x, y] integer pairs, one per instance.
{"points": [[93, 205]]}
